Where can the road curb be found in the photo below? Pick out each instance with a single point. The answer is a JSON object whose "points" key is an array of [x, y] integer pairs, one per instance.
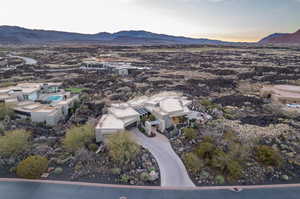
{"points": [[150, 187]]}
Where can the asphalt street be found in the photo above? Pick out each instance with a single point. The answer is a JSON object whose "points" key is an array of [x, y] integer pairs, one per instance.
{"points": [[37, 190]]}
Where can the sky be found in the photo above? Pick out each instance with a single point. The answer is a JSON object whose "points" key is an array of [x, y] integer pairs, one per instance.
{"points": [[230, 20]]}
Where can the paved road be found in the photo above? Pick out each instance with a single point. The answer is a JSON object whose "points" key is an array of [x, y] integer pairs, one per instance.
{"points": [[28, 60], [37, 190], [172, 170]]}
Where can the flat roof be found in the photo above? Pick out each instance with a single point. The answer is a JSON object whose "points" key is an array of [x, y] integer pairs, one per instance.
{"points": [[109, 121], [171, 105], [123, 110]]}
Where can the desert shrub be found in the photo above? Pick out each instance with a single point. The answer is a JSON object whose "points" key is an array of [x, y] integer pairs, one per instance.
{"points": [[220, 179], [192, 162], [209, 105], [14, 142], [207, 139], [239, 152], [233, 170], [225, 164], [93, 147], [144, 177], [152, 117], [122, 148], [189, 133], [32, 167], [125, 178], [268, 156], [77, 137], [205, 150], [141, 129], [5, 111], [116, 171], [7, 84]]}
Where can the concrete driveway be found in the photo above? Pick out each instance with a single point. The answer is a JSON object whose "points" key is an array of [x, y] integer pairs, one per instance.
{"points": [[172, 170]]}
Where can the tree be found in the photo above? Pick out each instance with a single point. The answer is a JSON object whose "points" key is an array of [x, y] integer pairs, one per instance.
{"points": [[5, 110], [14, 142], [32, 167], [78, 137], [122, 148]]}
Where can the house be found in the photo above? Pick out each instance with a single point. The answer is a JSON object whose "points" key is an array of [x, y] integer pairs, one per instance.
{"points": [[284, 94], [41, 102], [167, 109], [118, 68]]}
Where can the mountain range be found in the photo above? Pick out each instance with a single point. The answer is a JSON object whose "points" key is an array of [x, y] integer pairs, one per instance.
{"points": [[19, 35], [282, 38]]}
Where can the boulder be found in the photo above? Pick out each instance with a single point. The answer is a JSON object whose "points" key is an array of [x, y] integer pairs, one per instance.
{"points": [[43, 150], [58, 171], [204, 174], [284, 177], [153, 175]]}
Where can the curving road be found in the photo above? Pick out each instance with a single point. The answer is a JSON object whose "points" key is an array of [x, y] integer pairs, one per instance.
{"points": [[172, 170], [28, 60]]}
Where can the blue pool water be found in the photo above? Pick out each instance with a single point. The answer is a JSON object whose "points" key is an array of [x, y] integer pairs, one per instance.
{"points": [[55, 98]]}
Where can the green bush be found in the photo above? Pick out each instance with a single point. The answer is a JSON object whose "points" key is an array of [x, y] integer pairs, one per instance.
{"points": [[122, 148], [93, 147], [144, 177], [268, 156], [5, 111], [209, 105], [152, 118], [125, 178], [192, 162], [226, 165], [189, 133], [77, 137], [14, 142], [116, 171], [233, 170], [32, 167], [220, 179], [205, 150]]}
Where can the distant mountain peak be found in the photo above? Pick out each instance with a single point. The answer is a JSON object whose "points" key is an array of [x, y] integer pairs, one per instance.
{"points": [[282, 38]]}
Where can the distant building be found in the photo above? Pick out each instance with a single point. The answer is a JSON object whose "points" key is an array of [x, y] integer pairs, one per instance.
{"points": [[166, 108], [285, 94], [46, 103], [119, 68]]}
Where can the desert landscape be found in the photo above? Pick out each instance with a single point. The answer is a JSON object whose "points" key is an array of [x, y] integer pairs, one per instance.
{"points": [[241, 137]]}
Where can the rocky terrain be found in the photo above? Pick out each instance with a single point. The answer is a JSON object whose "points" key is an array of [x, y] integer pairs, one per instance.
{"points": [[223, 82]]}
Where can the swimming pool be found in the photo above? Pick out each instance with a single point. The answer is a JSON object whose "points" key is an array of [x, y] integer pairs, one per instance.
{"points": [[55, 98]]}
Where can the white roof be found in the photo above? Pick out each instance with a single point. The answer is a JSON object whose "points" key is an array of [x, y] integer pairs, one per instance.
{"points": [[171, 105], [108, 121], [122, 111]]}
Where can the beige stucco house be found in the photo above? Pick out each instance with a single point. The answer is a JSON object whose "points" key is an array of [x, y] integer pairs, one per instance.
{"points": [[41, 103], [165, 107]]}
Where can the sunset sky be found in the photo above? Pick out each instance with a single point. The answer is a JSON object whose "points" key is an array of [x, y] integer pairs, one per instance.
{"points": [[231, 20]]}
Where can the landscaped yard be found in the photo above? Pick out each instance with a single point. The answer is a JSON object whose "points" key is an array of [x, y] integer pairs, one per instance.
{"points": [[76, 90]]}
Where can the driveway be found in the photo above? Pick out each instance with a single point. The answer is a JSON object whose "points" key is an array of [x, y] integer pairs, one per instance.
{"points": [[172, 170]]}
